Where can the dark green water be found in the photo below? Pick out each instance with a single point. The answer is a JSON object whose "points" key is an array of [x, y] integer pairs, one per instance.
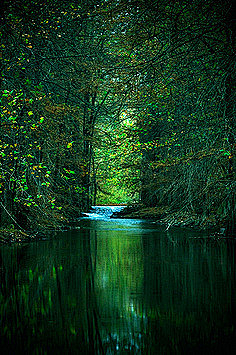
{"points": [[119, 287]]}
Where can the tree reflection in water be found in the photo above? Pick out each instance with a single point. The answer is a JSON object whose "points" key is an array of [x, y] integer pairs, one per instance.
{"points": [[124, 289]]}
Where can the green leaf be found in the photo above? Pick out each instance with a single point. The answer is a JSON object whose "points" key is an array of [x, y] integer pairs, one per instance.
{"points": [[69, 145]]}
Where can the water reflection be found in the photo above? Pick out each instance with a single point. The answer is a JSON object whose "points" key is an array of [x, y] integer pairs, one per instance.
{"points": [[124, 287]]}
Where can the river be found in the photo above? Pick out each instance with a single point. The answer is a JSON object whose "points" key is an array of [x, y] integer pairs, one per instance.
{"points": [[118, 286]]}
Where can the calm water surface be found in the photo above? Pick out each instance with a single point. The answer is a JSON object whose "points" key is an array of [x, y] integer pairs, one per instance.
{"points": [[119, 287]]}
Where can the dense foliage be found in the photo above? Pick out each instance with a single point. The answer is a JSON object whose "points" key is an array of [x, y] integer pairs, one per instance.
{"points": [[183, 104], [103, 98]]}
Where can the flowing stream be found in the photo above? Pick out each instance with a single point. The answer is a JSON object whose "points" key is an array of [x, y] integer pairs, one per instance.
{"points": [[103, 212], [118, 286]]}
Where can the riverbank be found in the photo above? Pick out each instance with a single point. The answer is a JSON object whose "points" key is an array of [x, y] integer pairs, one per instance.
{"points": [[12, 235], [159, 215], [162, 215]]}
